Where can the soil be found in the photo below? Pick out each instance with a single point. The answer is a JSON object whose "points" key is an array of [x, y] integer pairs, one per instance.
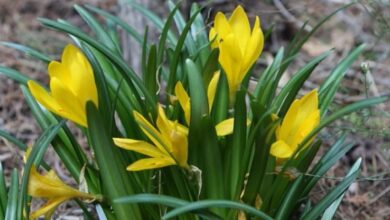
{"points": [[366, 22]]}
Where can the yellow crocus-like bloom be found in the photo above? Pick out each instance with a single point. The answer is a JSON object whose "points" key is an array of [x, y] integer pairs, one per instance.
{"points": [[169, 139], [239, 46], [301, 118], [49, 186], [184, 99], [72, 85], [223, 128]]}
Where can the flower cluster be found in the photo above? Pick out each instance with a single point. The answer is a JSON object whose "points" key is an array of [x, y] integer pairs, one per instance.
{"points": [[213, 137]]}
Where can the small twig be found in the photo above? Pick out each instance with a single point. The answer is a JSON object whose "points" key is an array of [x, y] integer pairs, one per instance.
{"points": [[376, 198], [290, 17]]}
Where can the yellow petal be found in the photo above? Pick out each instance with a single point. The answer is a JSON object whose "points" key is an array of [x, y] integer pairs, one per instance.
{"points": [[48, 209], [75, 72], [212, 88], [213, 38], [179, 147], [305, 128], [43, 97], [254, 46], [139, 147], [83, 81], [50, 186], [173, 132], [152, 133], [221, 26], [150, 163], [230, 58], [281, 150], [71, 107], [309, 102], [59, 71], [179, 127], [225, 127], [184, 101], [299, 110], [240, 26]]}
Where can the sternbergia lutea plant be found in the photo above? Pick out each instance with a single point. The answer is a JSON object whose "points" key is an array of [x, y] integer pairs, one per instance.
{"points": [[186, 138]]}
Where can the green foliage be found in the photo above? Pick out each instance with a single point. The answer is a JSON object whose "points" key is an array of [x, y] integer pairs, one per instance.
{"points": [[228, 176]]}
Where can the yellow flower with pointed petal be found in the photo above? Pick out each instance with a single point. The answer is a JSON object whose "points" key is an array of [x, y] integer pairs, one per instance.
{"points": [[184, 99], [169, 139], [49, 186], [239, 46], [223, 128], [72, 85], [301, 118]]}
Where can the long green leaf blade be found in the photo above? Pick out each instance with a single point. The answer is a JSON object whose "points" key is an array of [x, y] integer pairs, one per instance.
{"points": [[200, 205]]}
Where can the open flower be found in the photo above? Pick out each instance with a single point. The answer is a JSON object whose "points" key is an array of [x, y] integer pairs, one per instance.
{"points": [[50, 187], [239, 46], [169, 139], [301, 118], [72, 85]]}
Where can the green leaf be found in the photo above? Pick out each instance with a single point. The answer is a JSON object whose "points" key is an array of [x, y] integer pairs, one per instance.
{"points": [[324, 165], [331, 210], [13, 140], [334, 194], [178, 50], [200, 205], [152, 198], [180, 24], [329, 88], [28, 51], [162, 200], [35, 158], [130, 30], [237, 169], [14, 75], [3, 193], [199, 106], [290, 90], [164, 33], [289, 201], [97, 28], [210, 66], [203, 150], [221, 101], [299, 40], [262, 137], [269, 80], [151, 73], [155, 19], [115, 179], [200, 35], [12, 205], [96, 60]]}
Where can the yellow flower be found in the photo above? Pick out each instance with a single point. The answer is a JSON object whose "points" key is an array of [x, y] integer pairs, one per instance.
{"points": [[184, 99], [239, 46], [49, 186], [169, 139], [72, 85], [223, 128], [301, 118]]}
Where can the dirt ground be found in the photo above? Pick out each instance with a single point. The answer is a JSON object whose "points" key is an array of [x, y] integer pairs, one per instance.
{"points": [[366, 22]]}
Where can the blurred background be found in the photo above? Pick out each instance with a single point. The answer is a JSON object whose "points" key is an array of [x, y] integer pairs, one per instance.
{"points": [[367, 21]]}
